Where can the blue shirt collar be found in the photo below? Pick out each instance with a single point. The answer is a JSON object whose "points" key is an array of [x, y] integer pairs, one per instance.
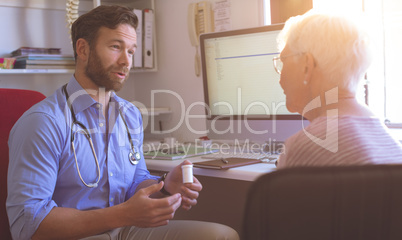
{"points": [[81, 100]]}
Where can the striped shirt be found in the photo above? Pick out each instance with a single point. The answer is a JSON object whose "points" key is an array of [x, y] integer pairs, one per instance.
{"points": [[341, 140]]}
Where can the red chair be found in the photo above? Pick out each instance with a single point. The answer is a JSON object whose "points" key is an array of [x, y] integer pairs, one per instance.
{"points": [[13, 103]]}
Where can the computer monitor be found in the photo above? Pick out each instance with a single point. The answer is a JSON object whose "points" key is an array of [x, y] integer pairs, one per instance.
{"points": [[241, 87]]}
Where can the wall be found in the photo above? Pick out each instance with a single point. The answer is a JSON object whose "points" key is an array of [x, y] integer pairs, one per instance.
{"points": [[176, 63]]}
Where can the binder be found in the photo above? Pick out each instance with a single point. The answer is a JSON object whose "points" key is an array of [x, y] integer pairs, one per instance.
{"points": [[226, 163], [148, 29], [137, 61]]}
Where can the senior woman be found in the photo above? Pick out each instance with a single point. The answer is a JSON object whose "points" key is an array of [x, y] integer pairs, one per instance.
{"points": [[323, 58]]}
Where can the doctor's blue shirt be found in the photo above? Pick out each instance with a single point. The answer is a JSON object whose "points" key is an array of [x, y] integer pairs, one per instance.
{"points": [[42, 171]]}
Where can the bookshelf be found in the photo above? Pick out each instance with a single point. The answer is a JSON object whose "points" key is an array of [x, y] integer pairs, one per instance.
{"points": [[36, 71], [57, 7]]}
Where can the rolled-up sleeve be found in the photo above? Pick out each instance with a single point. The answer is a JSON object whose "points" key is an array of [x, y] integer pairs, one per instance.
{"points": [[35, 144]]}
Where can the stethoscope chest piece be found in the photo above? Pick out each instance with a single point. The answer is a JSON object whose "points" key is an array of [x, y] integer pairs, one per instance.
{"points": [[134, 157]]}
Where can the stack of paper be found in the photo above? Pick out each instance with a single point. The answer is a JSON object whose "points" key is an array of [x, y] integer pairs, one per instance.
{"points": [[42, 58]]}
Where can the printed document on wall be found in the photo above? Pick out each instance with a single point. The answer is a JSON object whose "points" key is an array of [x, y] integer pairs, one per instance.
{"points": [[138, 52], [222, 13], [148, 38]]}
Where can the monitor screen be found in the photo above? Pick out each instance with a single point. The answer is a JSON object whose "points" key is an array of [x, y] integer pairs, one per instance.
{"points": [[239, 77], [243, 97]]}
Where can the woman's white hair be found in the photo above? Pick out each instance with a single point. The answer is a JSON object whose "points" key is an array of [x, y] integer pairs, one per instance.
{"points": [[339, 45]]}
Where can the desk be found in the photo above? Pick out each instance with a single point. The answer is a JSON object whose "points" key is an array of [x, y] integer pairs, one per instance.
{"points": [[224, 193], [244, 173]]}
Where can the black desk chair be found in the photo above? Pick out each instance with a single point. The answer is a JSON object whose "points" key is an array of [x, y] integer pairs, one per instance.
{"points": [[326, 203]]}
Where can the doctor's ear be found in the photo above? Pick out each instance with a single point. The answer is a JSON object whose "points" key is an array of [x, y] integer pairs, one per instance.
{"points": [[82, 48]]}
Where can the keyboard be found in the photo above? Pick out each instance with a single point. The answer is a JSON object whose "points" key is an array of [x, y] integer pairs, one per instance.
{"points": [[263, 156]]}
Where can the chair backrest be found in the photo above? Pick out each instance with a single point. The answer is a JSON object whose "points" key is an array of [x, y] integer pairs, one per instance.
{"points": [[326, 203], [13, 103]]}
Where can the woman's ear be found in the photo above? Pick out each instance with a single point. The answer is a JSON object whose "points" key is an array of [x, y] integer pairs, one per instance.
{"points": [[82, 48], [309, 66]]}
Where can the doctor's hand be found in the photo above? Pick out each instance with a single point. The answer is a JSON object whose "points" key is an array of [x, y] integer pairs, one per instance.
{"points": [[189, 191], [143, 211]]}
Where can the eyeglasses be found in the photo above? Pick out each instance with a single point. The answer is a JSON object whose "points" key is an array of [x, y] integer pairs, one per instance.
{"points": [[278, 64]]}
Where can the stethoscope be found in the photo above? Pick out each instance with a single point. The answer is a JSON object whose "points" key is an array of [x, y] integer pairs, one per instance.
{"points": [[134, 157]]}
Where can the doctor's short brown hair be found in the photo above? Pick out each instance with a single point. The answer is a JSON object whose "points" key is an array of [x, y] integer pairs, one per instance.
{"points": [[88, 25]]}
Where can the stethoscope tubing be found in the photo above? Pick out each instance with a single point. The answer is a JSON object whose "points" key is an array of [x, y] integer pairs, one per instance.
{"points": [[133, 157]]}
